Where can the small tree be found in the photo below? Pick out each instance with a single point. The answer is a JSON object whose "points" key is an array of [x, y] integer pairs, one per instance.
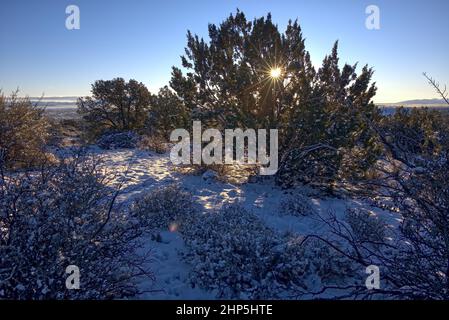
{"points": [[23, 132], [115, 105], [167, 113]]}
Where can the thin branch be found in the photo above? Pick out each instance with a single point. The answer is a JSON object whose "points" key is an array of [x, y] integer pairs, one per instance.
{"points": [[436, 85]]}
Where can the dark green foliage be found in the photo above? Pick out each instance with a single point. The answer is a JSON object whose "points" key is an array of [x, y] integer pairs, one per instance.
{"points": [[229, 84], [167, 113], [418, 131], [333, 123], [228, 81], [115, 105]]}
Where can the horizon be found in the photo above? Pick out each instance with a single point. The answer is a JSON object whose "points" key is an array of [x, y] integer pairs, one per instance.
{"points": [[142, 41], [72, 99]]}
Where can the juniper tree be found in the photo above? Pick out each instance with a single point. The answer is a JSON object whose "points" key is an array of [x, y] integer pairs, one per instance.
{"points": [[250, 75], [331, 140], [228, 81], [167, 113], [115, 105]]}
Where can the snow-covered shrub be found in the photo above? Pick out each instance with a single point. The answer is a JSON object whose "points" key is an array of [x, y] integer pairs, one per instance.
{"points": [[414, 256], [365, 225], [234, 254], [229, 251], [411, 183], [24, 132], [329, 265], [297, 205], [65, 133], [166, 208], [304, 265], [417, 132], [118, 140], [60, 216]]}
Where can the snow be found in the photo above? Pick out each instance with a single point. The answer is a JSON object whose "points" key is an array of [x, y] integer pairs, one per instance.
{"points": [[210, 175], [171, 273], [142, 171]]}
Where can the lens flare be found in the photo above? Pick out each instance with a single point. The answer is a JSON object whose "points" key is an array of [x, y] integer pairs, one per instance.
{"points": [[275, 73]]}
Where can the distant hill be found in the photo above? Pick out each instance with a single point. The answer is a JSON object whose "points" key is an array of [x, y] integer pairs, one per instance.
{"points": [[422, 101], [431, 104], [66, 98], [55, 102]]}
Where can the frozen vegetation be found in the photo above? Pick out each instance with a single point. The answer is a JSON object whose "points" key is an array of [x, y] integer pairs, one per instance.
{"points": [[356, 190], [210, 239]]}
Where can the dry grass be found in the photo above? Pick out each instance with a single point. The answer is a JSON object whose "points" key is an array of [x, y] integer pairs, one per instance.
{"points": [[154, 143]]}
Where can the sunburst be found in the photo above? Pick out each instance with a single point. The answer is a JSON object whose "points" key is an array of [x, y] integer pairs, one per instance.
{"points": [[275, 72]]}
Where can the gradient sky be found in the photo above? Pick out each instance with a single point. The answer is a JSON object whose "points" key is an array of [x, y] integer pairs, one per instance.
{"points": [[143, 39]]}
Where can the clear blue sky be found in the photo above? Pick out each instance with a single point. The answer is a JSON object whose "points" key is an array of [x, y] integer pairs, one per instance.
{"points": [[143, 39]]}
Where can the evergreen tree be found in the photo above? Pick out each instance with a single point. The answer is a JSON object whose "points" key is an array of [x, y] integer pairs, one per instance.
{"points": [[229, 82], [250, 75], [115, 105], [167, 113]]}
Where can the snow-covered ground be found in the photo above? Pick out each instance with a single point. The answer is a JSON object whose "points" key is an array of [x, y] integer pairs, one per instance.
{"points": [[143, 171]]}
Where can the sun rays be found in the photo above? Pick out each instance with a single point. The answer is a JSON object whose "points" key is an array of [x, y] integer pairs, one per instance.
{"points": [[275, 73]]}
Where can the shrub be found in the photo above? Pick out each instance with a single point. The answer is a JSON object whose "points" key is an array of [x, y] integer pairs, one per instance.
{"points": [[419, 132], [365, 225], [153, 143], [65, 133], [118, 140], [317, 164], [306, 265], [60, 216], [166, 208], [234, 254], [23, 132], [228, 251], [413, 182], [298, 205]]}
